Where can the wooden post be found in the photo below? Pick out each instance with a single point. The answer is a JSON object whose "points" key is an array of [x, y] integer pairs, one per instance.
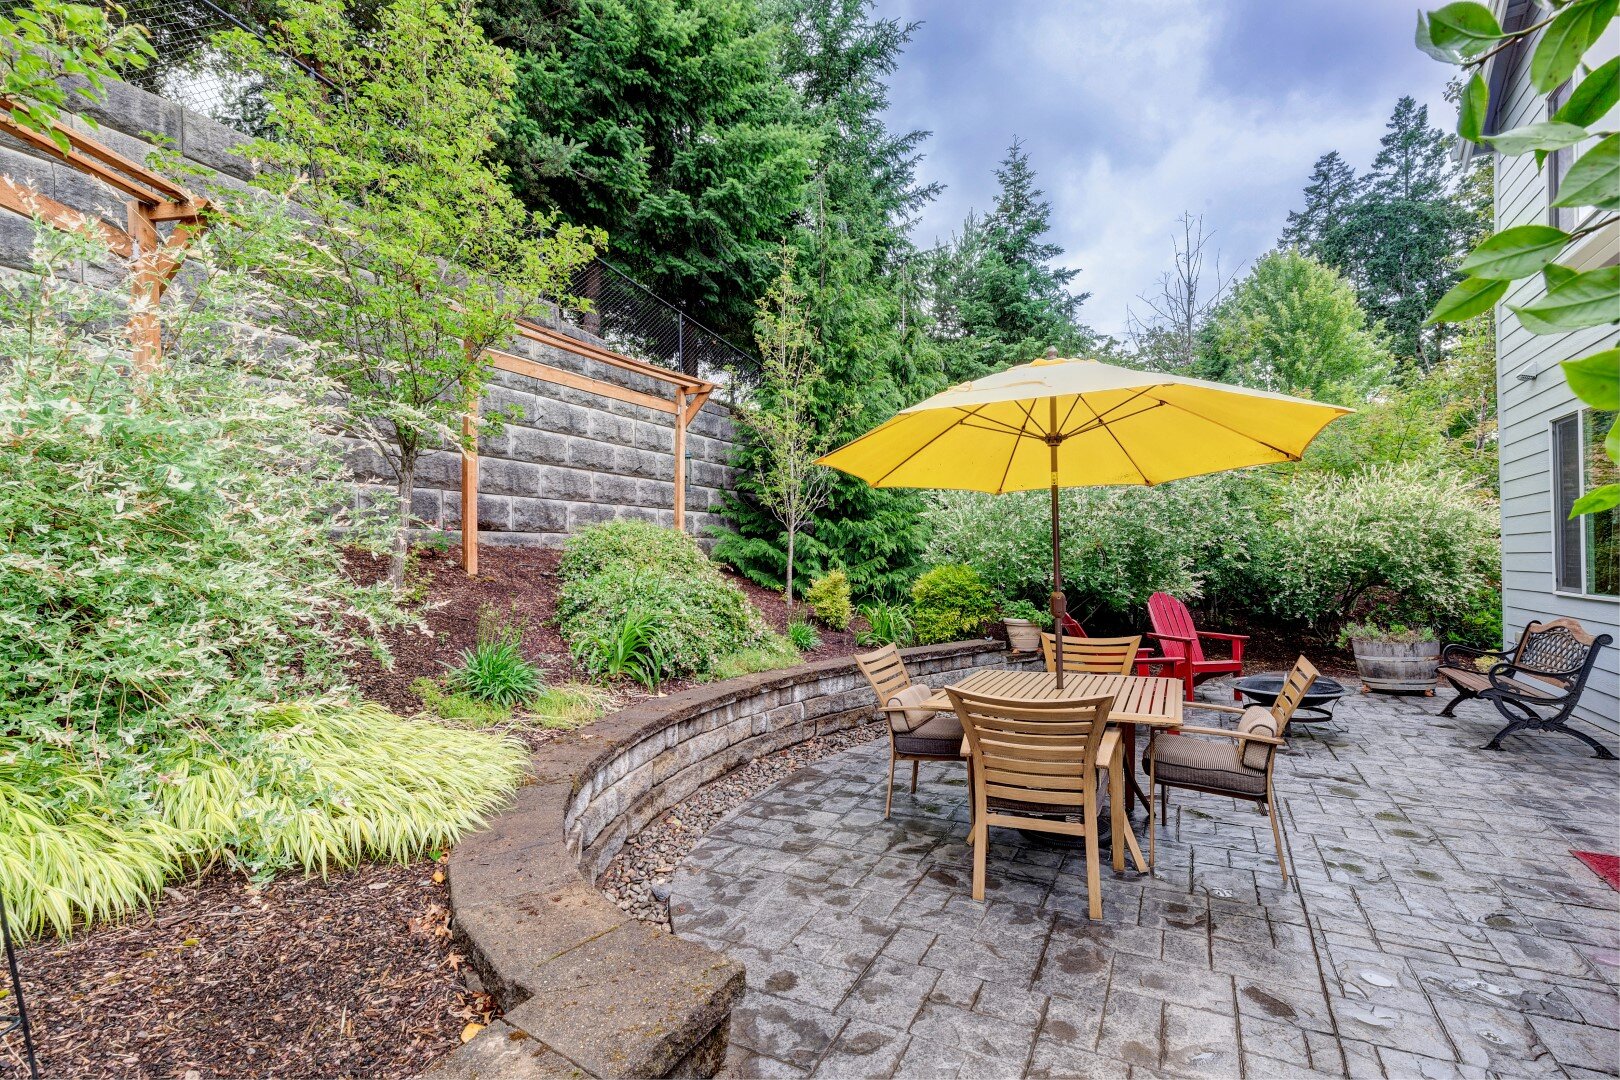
{"points": [[680, 458], [469, 493], [145, 331]]}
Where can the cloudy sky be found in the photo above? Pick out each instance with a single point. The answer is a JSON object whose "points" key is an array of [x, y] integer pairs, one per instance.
{"points": [[1136, 110]]}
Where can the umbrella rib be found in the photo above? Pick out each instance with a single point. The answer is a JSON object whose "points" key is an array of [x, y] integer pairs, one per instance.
{"points": [[1028, 416], [967, 414], [1104, 425], [1088, 427], [1085, 427]]}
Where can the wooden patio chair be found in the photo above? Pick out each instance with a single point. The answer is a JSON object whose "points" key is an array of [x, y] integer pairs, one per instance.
{"points": [[1034, 767], [1104, 656], [915, 734], [1177, 637], [1148, 663], [1536, 685], [1239, 768]]}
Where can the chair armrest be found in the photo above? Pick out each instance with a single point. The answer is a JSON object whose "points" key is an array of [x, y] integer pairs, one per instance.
{"points": [[1223, 637], [1189, 638], [1241, 736], [1212, 707]]}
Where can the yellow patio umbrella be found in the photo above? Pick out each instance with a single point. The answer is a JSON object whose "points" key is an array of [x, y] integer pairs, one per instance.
{"points": [[1079, 423]]}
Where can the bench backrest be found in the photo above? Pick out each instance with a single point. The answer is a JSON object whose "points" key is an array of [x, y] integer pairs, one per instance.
{"points": [[1561, 645]]}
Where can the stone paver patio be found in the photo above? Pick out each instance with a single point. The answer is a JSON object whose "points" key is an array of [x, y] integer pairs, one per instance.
{"points": [[1436, 924]]}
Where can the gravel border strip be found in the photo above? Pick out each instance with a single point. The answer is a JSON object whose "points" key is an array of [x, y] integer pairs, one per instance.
{"points": [[637, 880]]}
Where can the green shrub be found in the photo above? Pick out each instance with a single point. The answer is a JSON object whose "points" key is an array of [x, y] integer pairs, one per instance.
{"points": [[494, 669], [1415, 546], [320, 785], [886, 624], [802, 636], [632, 544], [950, 603], [627, 649], [629, 583], [828, 599]]}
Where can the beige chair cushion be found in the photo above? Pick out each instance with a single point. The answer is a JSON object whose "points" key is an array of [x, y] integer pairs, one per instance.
{"points": [[912, 718], [1257, 720], [938, 737], [1206, 763]]}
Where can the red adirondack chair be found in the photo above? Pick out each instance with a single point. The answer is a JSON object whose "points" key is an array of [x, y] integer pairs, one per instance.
{"points": [[1147, 665], [1174, 631]]}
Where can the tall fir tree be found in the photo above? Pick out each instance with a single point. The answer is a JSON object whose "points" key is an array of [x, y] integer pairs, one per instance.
{"points": [[670, 124], [1322, 229], [1409, 228], [998, 298], [855, 269]]}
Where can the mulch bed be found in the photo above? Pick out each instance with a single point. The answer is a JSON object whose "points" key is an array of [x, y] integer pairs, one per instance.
{"points": [[350, 976]]}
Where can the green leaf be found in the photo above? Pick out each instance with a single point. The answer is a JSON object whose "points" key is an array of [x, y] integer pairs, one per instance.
{"points": [[1476, 98], [1593, 97], [1425, 41], [1471, 296], [1465, 28], [1542, 135], [1594, 179], [1556, 275], [1563, 43], [1596, 501], [1596, 379], [1515, 253], [1589, 299]]}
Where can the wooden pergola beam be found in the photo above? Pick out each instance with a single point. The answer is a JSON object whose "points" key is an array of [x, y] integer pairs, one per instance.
{"points": [[24, 200]]}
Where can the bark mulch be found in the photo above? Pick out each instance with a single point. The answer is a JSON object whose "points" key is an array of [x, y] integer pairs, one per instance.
{"points": [[350, 976]]}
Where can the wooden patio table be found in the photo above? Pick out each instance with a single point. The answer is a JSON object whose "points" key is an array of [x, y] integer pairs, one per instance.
{"points": [[1154, 702]]}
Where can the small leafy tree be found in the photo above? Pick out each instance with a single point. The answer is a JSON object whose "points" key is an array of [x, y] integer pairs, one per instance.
{"points": [[46, 41], [789, 483], [411, 257], [1468, 34]]}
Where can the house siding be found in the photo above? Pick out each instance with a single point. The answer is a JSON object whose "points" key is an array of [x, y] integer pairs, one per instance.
{"points": [[1527, 408]]}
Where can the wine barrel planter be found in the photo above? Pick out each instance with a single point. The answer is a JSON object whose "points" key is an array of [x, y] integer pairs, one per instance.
{"points": [[1397, 665]]}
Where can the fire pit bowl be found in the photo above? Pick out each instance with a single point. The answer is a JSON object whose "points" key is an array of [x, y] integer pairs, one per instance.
{"points": [[1315, 706]]}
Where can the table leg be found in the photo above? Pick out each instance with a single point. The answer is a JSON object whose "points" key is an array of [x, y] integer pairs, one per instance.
{"points": [[1118, 820], [1127, 739]]}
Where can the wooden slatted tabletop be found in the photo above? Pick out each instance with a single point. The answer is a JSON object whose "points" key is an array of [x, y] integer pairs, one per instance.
{"points": [[1155, 702]]}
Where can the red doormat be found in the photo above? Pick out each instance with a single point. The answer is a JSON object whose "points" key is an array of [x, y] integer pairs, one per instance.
{"points": [[1606, 867]]}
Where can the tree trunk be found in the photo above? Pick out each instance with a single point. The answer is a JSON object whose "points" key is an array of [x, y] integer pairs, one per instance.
{"points": [[402, 528], [790, 571]]}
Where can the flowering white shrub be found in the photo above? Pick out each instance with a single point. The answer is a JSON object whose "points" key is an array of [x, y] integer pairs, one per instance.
{"points": [[1420, 545]]}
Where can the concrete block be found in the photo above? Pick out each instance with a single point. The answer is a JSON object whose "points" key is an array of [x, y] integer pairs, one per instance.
{"points": [[617, 490], [532, 444], [210, 143], [494, 512], [502, 476], [555, 482], [586, 454], [539, 515]]}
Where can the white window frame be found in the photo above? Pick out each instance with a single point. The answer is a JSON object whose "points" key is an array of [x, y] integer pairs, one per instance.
{"points": [[1580, 414]]}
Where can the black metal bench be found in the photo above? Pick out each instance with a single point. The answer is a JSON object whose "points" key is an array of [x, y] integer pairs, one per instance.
{"points": [[1536, 685]]}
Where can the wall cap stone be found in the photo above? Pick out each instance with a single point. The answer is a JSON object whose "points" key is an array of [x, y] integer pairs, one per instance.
{"points": [[586, 989]]}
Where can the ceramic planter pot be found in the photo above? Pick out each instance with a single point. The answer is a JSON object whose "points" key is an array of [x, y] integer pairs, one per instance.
{"points": [[1022, 635], [1397, 665]]}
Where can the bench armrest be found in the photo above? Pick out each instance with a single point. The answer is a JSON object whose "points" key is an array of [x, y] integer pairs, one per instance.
{"points": [[1468, 652]]}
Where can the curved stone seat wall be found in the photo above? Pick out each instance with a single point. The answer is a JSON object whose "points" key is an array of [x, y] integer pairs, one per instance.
{"points": [[585, 988]]}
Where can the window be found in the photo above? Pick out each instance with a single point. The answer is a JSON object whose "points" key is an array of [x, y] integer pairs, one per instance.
{"points": [[1558, 163], [1586, 550]]}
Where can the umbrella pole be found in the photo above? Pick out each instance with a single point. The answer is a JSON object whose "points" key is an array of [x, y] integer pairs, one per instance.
{"points": [[1059, 605]]}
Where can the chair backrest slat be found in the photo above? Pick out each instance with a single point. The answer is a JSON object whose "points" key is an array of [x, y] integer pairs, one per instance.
{"points": [[1034, 751], [1170, 616], [885, 671], [1294, 688], [1103, 656]]}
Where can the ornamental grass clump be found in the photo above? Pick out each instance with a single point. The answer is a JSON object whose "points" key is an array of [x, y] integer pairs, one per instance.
{"points": [[644, 602]]}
